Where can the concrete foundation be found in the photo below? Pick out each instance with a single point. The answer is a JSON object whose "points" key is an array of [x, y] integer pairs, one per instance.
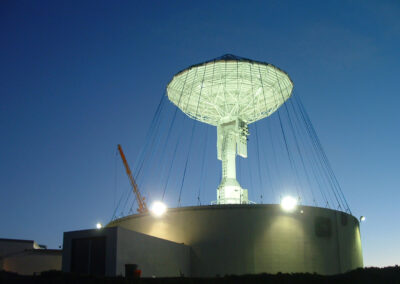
{"points": [[248, 239]]}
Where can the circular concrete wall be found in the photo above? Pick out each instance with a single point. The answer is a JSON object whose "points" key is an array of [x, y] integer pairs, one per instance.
{"points": [[248, 239]]}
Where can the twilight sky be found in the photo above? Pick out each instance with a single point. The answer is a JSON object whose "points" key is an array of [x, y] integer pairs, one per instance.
{"points": [[79, 77]]}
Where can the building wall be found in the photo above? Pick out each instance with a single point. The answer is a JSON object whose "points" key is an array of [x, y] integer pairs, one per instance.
{"points": [[11, 246], [30, 262], [154, 256], [241, 239], [27, 257], [110, 253]]}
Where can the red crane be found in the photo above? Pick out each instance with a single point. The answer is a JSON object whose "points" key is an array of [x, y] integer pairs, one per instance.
{"points": [[140, 200]]}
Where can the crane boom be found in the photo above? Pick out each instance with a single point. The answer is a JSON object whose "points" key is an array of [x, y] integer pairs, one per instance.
{"points": [[142, 204]]}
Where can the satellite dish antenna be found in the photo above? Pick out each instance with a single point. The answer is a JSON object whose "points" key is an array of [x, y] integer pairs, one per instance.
{"points": [[230, 92]]}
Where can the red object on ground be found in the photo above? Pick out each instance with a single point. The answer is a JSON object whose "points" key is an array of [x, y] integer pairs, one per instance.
{"points": [[137, 273]]}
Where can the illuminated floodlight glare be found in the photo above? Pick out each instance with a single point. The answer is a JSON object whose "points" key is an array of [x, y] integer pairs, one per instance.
{"points": [[99, 226], [362, 218], [289, 203], [158, 208]]}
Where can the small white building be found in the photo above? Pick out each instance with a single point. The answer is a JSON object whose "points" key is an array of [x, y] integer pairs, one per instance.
{"points": [[106, 251]]}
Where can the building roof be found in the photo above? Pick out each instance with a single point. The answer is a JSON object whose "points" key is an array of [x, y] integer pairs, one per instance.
{"points": [[16, 240]]}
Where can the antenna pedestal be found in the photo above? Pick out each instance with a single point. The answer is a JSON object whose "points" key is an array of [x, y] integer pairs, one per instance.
{"points": [[232, 140]]}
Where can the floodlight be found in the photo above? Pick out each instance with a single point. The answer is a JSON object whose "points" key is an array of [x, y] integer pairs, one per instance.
{"points": [[288, 203], [362, 218], [99, 226], [158, 208]]}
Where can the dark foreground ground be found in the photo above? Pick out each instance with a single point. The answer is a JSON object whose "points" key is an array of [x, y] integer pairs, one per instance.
{"points": [[365, 275]]}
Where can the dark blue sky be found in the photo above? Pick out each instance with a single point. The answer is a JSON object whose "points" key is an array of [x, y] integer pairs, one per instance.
{"points": [[79, 77]]}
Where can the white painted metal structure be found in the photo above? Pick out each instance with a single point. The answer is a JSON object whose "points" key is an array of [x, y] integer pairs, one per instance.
{"points": [[230, 92]]}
